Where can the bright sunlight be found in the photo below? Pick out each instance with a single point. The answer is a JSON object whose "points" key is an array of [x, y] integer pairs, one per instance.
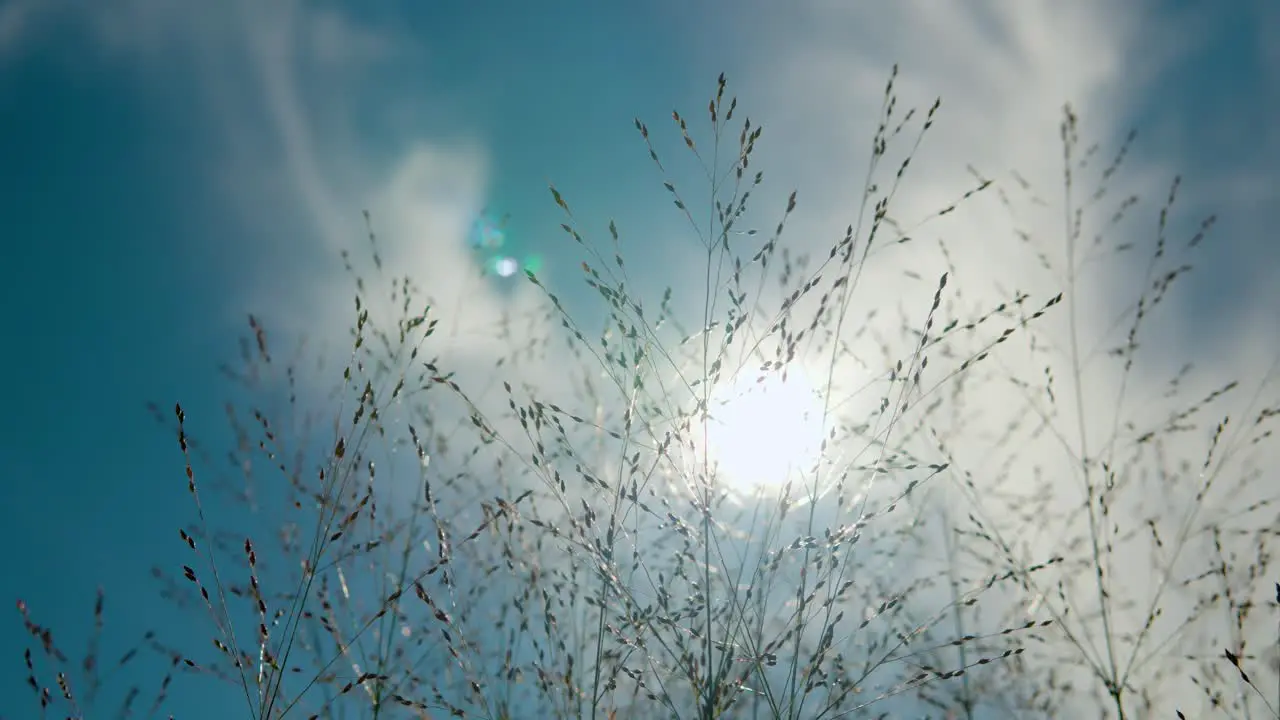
{"points": [[761, 431]]}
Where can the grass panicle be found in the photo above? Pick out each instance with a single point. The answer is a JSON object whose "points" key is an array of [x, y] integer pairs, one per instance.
{"points": [[436, 539]]}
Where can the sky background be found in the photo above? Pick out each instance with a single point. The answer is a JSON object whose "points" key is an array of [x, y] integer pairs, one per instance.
{"points": [[172, 166]]}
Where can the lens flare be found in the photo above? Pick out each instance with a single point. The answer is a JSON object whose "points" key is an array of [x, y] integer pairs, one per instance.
{"points": [[487, 238], [505, 266], [488, 233]]}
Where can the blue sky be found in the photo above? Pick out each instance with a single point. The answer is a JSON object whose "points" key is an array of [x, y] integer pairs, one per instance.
{"points": [[172, 166]]}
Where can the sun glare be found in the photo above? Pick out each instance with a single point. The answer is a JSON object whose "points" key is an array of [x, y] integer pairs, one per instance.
{"points": [[762, 431]]}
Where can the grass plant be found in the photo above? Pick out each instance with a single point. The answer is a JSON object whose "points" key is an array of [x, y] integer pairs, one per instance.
{"points": [[453, 541]]}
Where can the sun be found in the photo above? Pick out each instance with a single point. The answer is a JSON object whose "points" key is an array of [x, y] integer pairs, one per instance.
{"points": [[763, 431]]}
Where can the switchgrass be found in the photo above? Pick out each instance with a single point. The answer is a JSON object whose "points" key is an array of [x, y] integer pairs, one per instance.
{"points": [[499, 543]]}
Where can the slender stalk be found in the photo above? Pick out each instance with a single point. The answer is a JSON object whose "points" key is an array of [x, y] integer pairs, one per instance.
{"points": [[1114, 689]]}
